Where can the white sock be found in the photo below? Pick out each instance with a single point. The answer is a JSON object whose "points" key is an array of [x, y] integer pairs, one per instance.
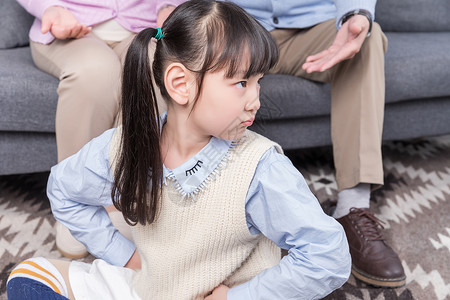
{"points": [[358, 196], [43, 271]]}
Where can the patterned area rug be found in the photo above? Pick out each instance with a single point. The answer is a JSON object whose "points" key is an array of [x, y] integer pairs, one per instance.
{"points": [[414, 205]]}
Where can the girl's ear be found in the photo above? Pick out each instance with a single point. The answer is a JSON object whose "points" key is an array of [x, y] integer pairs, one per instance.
{"points": [[176, 79]]}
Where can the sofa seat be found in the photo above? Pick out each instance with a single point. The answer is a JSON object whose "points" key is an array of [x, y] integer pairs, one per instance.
{"points": [[28, 101], [417, 65]]}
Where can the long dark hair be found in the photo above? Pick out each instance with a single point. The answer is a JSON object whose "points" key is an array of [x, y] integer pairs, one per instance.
{"points": [[205, 36]]}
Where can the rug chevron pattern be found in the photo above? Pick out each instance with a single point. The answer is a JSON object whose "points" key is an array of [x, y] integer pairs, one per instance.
{"points": [[414, 205]]}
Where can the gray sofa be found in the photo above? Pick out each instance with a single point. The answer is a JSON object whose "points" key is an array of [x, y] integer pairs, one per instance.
{"points": [[295, 112]]}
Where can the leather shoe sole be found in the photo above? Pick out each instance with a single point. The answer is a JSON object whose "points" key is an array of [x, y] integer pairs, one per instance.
{"points": [[376, 281]]}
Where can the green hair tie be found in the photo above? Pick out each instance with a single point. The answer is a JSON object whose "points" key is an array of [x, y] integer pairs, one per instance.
{"points": [[159, 34]]}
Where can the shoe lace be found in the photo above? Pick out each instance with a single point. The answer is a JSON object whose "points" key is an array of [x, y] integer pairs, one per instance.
{"points": [[369, 225]]}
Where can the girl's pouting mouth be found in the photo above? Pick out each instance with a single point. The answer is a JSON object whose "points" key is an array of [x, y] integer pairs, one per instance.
{"points": [[249, 122]]}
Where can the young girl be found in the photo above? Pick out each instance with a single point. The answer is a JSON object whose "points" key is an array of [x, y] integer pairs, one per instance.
{"points": [[211, 203]]}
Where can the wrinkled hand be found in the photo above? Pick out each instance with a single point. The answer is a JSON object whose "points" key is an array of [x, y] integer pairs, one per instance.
{"points": [[62, 24], [219, 293], [347, 44], [163, 14]]}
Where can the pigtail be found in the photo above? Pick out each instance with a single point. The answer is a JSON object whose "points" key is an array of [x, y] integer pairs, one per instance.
{"points": [[139, 161]]}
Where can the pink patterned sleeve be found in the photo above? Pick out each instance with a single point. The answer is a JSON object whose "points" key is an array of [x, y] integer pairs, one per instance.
{"points": [[37, 8]]}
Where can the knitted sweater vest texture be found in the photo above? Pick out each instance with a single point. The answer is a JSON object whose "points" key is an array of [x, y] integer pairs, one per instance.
{"points": [[196, 244]]}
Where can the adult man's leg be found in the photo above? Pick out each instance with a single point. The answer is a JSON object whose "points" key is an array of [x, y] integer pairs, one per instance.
{"points": [[357, 109]]}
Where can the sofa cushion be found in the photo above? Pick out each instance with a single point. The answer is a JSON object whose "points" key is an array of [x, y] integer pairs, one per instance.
{"points": [[15, 24], [413, 15], [28, 96], [285, 96], [417, 65]]}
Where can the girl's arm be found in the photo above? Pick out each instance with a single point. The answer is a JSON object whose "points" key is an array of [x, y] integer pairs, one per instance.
{"points": [[281, 206], [78, 188]]}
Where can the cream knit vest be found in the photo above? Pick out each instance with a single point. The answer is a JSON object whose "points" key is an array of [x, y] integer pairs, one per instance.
{"points": [[193, 246]]}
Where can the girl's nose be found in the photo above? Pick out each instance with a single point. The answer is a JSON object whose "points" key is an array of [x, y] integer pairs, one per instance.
{"points": [[253, 104]]}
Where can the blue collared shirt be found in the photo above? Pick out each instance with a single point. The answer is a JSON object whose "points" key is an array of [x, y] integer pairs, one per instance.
{"points": [[279, 205], [301, 13]]}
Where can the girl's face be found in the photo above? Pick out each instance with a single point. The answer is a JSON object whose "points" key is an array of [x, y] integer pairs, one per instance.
{"points": [[227, 106]]}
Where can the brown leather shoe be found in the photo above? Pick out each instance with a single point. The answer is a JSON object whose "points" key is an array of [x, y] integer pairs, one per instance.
{"points": [[373, 261]]}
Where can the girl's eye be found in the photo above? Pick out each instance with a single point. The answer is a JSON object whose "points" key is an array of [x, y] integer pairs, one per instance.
{"points": [[242, 84]]}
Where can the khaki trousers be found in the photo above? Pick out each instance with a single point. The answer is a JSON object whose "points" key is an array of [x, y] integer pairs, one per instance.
{"points": [[89, 89], [357, 98]]}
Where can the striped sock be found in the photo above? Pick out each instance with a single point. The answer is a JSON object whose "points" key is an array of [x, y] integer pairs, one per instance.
{"points": [[42, 271]]}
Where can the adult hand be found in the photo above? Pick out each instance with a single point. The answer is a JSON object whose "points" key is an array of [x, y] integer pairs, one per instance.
{"points": [[62, 24], [219, 293], [347, 44], [135, 261], [163, 13]]}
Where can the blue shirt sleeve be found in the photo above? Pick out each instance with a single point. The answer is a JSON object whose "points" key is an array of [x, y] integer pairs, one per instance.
{"points": [[346, 6], [274, 14], [281, 206], [78, 188]]}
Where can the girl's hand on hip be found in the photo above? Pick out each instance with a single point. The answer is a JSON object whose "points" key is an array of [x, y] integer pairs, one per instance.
{"points": [[219, 293]]}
